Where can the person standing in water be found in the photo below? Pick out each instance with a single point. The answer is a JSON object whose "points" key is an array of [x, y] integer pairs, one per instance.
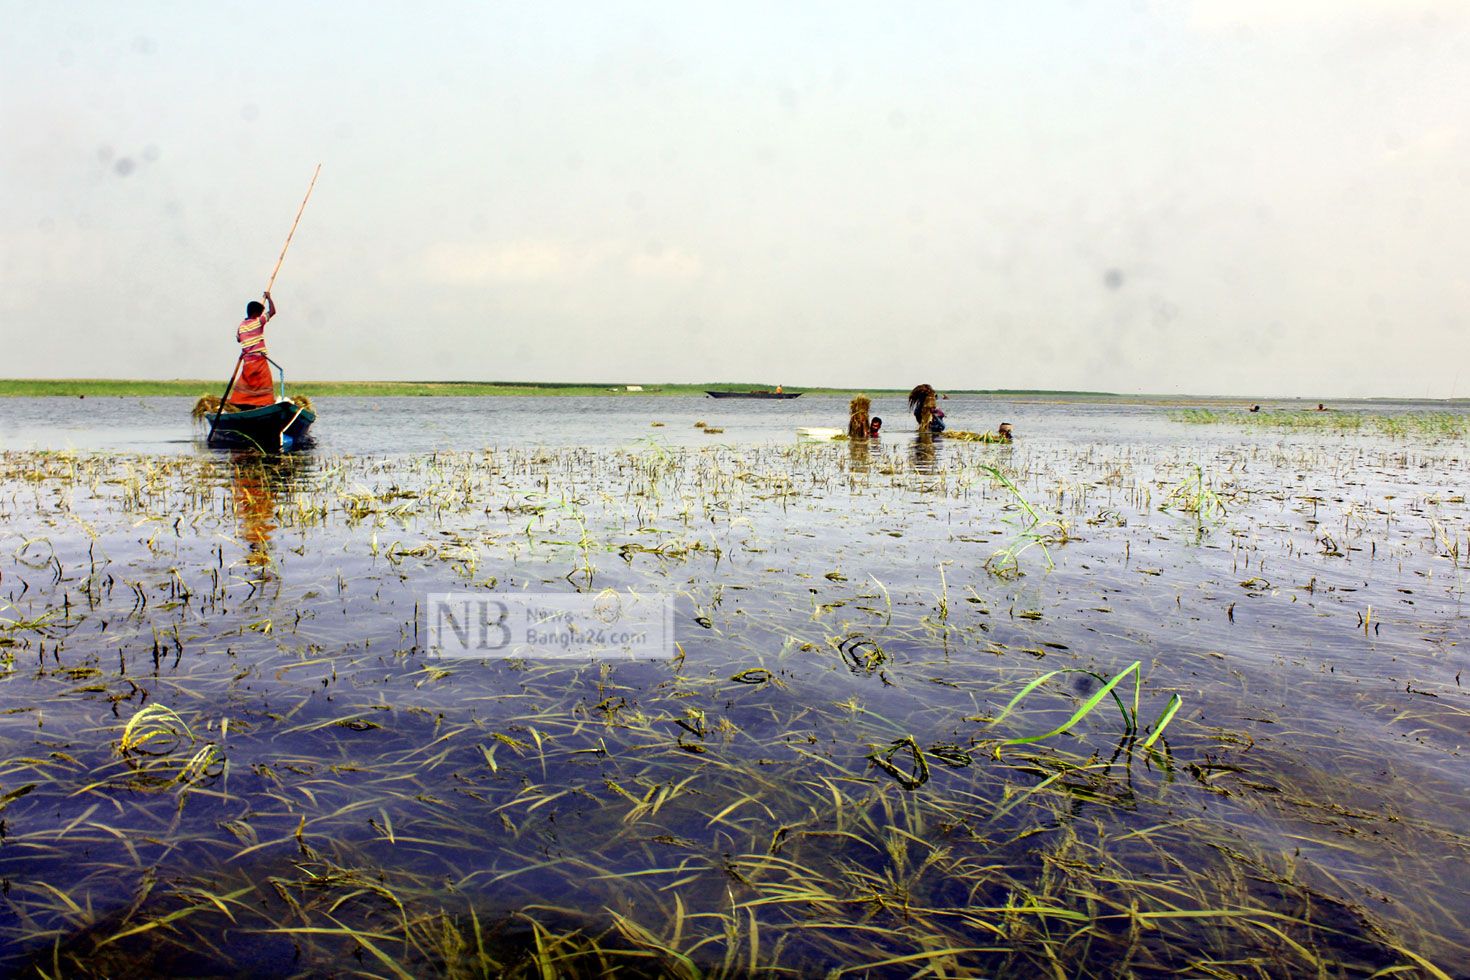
{"points": [[857, 417], [923, 402], [253, 386]]}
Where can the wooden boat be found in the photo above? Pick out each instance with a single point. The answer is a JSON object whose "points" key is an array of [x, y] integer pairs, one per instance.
{"points": [[753, 394], [271, 427]]}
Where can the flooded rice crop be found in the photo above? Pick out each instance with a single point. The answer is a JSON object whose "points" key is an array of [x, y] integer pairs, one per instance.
{"points": [[938, 709]]}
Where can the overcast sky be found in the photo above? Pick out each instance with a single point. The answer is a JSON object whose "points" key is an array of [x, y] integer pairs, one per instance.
{"points": [[1221, 196]]}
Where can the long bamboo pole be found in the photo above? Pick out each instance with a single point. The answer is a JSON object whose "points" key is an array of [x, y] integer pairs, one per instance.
{"points": [[277, 269], [224, 399]]}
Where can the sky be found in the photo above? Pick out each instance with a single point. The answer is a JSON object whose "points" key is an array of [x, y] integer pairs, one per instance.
{"points": [[1253, 197]]}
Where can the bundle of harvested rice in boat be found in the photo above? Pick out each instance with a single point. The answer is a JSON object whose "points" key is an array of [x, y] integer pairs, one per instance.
{"points": [[206, 405], [209, 404]]}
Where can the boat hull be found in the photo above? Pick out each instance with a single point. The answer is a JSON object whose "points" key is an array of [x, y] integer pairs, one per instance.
{"points": [[270, 427], [753, 394]]}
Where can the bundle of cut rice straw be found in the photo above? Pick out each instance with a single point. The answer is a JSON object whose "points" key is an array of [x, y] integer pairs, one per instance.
{"points": [[210, 404], [964, 436]]}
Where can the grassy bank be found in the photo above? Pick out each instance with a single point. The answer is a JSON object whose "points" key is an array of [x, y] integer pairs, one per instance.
{"points": [[103, 387], [1400, 424]]}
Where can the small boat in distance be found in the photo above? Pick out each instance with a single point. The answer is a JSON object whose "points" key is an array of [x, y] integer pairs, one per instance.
{"points": [[753, 394]]}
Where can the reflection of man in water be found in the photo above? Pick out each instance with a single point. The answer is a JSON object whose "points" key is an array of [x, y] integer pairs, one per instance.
{"points": [[925, 452], [255, 508]]}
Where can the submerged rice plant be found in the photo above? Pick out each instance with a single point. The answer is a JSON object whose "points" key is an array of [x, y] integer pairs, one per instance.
{"points": [[227, 746], [1035, 529], [1195, 496]]}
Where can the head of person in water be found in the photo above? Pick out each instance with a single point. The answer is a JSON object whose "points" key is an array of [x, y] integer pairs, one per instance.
{"points": [[253, 309], [1004, 431], [874, 424]]}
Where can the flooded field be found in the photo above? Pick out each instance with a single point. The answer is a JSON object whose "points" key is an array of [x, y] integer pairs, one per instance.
{"points": [[1133, 695]]}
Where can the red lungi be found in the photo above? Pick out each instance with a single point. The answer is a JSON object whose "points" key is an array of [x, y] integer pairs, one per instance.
{"points": [[253, 386]]}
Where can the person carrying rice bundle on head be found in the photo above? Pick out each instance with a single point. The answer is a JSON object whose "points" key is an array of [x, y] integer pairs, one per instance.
{"points": [[254, 387], [857, 417], [923, 402]]}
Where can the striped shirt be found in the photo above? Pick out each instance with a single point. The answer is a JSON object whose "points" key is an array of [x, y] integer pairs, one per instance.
{"points": [[251, 335]]}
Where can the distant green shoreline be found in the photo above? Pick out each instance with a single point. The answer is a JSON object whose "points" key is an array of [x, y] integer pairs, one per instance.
{"points": [[100, 387], [140, 388]]}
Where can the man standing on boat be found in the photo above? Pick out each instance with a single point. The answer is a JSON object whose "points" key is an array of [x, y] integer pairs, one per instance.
{"points": [[253, 386]]}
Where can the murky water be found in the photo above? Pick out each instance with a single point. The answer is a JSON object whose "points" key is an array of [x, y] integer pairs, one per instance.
{"points": [[415, 425], [820, 779]]}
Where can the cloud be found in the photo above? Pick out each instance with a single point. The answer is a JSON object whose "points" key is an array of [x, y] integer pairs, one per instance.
{"points": [[454, 264], [1265, 15], [1435, 144], [666, 264], [551, 262]]}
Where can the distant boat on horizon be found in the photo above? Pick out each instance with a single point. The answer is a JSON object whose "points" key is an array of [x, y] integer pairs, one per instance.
{"points": [[753, 394]]}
